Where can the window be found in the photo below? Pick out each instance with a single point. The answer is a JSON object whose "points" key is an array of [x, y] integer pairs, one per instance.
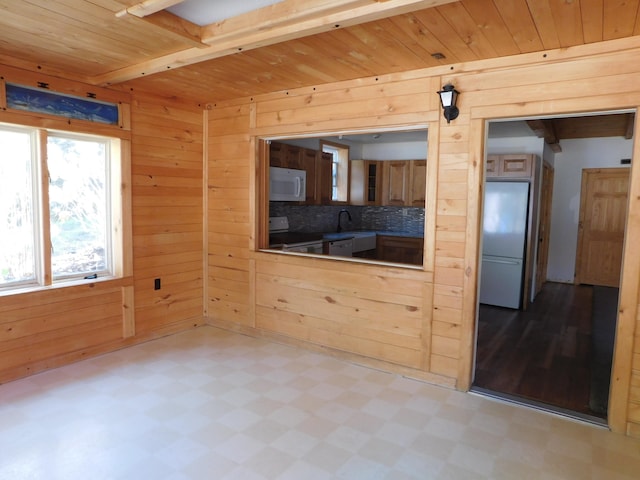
{"points": [[339, 170], [61, 227]]}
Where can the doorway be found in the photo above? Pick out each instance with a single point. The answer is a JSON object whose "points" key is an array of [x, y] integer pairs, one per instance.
{"points": [[549, 354]]}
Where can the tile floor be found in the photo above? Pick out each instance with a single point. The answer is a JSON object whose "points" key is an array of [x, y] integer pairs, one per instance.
{"points": [[210, 404]]}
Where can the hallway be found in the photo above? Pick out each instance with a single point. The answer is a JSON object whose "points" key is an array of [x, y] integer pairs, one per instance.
{"points": [[542, 354]]}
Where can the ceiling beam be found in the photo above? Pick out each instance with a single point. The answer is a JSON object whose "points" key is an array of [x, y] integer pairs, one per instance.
{"points": [[276, 23], [147, 7], [631, 117], [546, 129], [181, 29]]}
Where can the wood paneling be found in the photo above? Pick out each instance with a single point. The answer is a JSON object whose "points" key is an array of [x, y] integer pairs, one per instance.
{"points": [[43, 34], [167, 211], [381, 74], [332, 303]]}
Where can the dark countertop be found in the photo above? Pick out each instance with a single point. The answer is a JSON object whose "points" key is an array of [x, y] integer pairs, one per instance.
{"points": [[278, 239], [399, 234]]}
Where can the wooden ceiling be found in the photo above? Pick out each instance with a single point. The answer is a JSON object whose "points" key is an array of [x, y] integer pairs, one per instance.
{"points": [[263, 51]]}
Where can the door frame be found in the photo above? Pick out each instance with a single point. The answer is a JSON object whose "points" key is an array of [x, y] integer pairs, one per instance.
{"points": [[630, 277]]}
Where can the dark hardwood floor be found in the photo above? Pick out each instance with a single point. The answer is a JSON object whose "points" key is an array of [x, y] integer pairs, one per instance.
{"points": [[542, 354]]}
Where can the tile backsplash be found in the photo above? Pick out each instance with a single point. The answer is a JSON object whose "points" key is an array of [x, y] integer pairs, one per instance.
{"points": [[321, 218]]}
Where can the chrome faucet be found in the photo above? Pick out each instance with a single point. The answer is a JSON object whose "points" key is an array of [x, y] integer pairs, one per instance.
{"points": [[344, 210]]}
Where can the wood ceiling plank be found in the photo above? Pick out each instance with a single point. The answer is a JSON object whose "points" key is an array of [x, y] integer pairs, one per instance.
{"points": [[99, 21], [592, 20], [388, 50], [468, 29], [422, 38], [619, 18], [343, 54], [405, 37], [545, 23], [102, 47], [568, 20], [438, 26], [518, 19], [486, 16], [263, 34]]}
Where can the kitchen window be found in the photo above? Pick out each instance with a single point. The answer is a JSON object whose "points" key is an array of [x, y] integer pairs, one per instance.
{"points": [[339, 170], [59, 206]]}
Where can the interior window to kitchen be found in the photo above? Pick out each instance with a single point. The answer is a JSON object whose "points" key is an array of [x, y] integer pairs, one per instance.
{"points": [[339, 170], [363, 196], [58, 211]]}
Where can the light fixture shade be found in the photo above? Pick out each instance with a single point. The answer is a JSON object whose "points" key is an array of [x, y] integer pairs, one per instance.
{"points": [[448, 98]]}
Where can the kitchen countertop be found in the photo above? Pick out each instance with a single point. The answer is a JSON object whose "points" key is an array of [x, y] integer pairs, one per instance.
{"points": [[278, 239]]}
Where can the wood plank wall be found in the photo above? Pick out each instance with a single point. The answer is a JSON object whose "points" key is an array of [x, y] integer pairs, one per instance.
{"points": [[167, 177], [418, 320], [54, 326]]}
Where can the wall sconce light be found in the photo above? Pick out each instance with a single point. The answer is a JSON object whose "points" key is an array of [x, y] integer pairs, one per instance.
{"points": [[448, 99]]}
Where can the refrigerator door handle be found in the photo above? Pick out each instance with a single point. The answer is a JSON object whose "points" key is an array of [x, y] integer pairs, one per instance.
{"points": [[505, 262]]}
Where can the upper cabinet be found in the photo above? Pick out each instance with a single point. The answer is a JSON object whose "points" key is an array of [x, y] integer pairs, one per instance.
{"points": [[510, 166], [371, 182], [317, 164], [395, 186], [308, 160], [404, 183], [366, 182], [418, 183], [324, 177]]}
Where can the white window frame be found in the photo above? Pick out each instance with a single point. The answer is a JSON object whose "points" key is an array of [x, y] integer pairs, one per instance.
{"points": [[339, 170], [40, 204]]}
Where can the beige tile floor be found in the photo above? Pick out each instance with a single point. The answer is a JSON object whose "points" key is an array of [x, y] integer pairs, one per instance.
{"points": [[210, 404]]}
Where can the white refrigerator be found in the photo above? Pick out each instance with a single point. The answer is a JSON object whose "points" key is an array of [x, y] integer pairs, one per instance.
{"points": [[506, 206]]}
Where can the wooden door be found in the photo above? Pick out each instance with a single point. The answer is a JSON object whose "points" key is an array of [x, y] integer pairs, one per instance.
{"points": [[603, 214], [546, 196]]}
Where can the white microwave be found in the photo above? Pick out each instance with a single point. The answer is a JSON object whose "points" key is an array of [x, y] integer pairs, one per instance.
{"points": [[287, 184]]}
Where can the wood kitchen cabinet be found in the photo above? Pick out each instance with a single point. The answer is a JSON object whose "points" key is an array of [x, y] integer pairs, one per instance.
{"points": [[316, 163], [391, 248], [404, 183], [285, 156], [366, 182], [510, 166], [308, 160], [324, 178], [395, 184], [418, 183]]}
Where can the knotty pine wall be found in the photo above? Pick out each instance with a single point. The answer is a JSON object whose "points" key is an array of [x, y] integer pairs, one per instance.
{"points": [[55, 326], [167, 214], [416, 321]]}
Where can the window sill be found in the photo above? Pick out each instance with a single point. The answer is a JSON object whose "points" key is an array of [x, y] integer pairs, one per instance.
{"points": [[76, 282]]}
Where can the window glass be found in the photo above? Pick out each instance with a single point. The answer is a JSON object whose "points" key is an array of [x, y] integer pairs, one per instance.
{"points": [[78, 204], [17, 229]]}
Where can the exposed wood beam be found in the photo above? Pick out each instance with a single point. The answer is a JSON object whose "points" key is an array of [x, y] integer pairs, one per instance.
{"points": [[277, 23], [631, 117], [182, 29], [545, 129], [147, 7]]}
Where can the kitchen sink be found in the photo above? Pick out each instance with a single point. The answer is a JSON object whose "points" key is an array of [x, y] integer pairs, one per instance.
{"points": [[361, 239]]}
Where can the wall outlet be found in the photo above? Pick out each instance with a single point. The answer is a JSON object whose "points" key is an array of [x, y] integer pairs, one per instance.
{"points": [[156, 284]]}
